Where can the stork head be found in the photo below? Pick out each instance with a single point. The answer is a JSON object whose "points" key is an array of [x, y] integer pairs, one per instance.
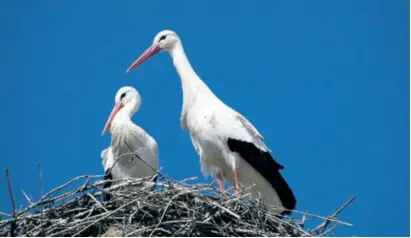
{"points": [[127, 102], [164, 40]]}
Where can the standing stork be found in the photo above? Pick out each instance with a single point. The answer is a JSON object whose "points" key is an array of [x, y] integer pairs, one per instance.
{"points": [[133, 153], [227, 143]]}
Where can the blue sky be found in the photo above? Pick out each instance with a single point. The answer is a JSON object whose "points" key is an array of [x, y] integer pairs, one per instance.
{"points": [[325, 82]]}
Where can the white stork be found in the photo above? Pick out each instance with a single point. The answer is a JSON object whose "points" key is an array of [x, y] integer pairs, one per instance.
{"points": [[132, 153], [227, 143]]}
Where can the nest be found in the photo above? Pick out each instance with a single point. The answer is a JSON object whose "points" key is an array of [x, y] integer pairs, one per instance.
{"points": [[173, 208]]}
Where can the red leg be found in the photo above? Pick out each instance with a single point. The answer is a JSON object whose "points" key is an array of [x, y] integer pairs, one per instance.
{"points": [[220, 182], [237, 182]]}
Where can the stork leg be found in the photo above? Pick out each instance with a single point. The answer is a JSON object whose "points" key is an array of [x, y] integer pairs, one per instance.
{"points": [[220, 182], [236, 182]]}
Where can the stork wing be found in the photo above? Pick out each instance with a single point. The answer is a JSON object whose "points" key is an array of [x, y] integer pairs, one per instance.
{"points": [[107, 158], [249, 144], [134, 142], [135, 153], [250, 128], [108, 162], [256, 137]]}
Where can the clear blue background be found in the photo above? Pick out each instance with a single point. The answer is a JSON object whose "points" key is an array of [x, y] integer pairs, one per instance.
{"points": [[325, 82]]}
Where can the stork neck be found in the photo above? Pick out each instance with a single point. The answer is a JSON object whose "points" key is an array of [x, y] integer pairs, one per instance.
{"points": [[123, 117], [190, 81]]}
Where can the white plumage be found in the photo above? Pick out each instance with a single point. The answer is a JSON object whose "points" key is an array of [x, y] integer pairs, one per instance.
{"points": [[227, 143], [132, 153]]}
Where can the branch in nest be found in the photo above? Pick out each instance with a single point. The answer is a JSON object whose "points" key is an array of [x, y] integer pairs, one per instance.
{"points": [[327, 221], [13, 203], [175, 208]]}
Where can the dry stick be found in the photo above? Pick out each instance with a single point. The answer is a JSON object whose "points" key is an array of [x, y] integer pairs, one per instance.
{"points": [[96, 201], [302, 222], [41, 178], [138, 157], [102, 190], [123, 183], [324, 225], [321, 217], [161, 199], [155, 177], [226, 210], [189, 179], [72, 226], [125, 154], [58, 189], [133, 214], [327, 231], [5, 214], [149, 227], [72, 181], [282, 222], [165, 210], [42, 194], [53, 199], [112, 212], [77, 223], [27, 197], [13, 203]]}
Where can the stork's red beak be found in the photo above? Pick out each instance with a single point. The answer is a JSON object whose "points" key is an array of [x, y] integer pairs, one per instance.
{"points": [[113, 113], [152, 50]]}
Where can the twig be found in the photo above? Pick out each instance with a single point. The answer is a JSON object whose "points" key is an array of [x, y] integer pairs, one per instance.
{"points": [[165, 210], [321, 217], [175, 208], [41, 178], [302, 223], [154, 226], [27, 197], [13, 203], [96, 201], [42, 195], [133, 201], [327, 231], [5, 214], [72, 181], [282, 222], [226, 210], [326, 222], [138, 157]]}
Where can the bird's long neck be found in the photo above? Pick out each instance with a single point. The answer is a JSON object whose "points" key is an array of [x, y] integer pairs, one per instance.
{"points": [[193, 86], [191, 83], [122, 120], [121, 127]]}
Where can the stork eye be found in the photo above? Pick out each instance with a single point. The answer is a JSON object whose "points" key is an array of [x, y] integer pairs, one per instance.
{"points": [[162, 38], [122, 96]]}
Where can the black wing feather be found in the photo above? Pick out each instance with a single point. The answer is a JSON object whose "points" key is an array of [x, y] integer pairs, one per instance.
{"points": [[264, 163], [107, 176]]}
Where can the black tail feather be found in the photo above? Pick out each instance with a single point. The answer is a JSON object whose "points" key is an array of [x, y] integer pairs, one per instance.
{"points": [[264, 163], [107, 176]]}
